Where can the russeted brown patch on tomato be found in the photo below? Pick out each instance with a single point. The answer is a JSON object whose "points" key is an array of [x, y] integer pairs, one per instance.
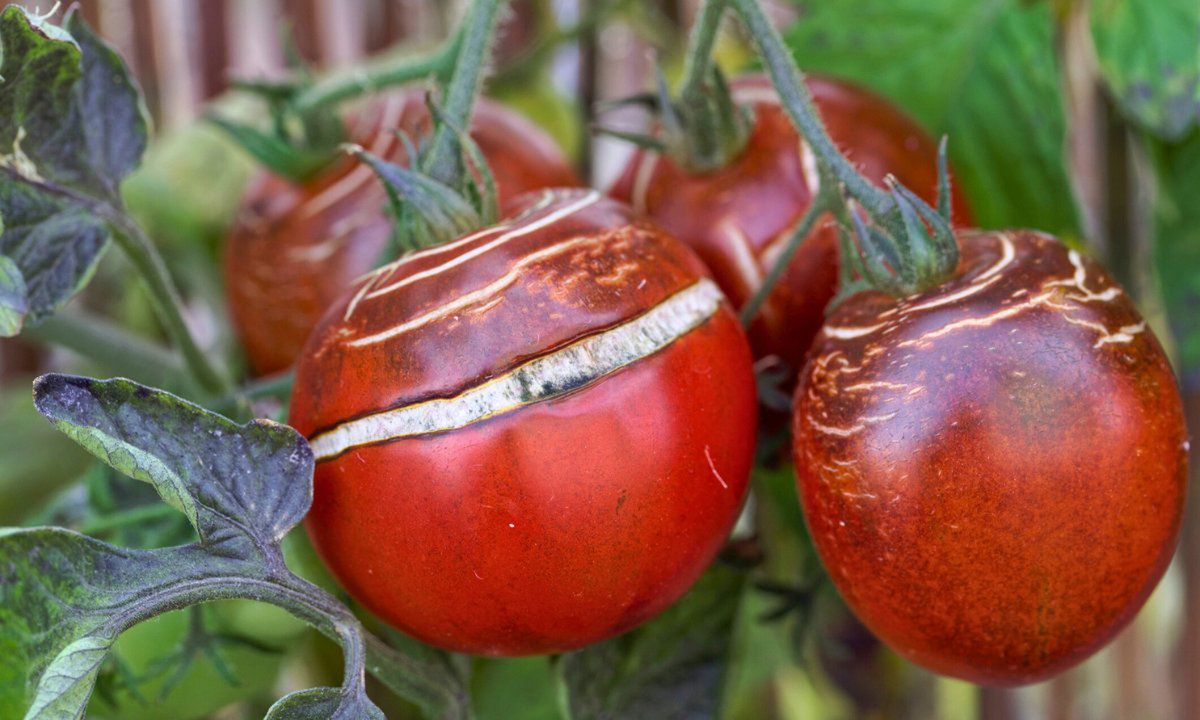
{"points": [[993, 471], [738, 218], [531, 438], [295, 248]]}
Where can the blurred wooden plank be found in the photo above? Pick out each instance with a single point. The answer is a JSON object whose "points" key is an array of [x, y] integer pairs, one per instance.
{"points": [[301, 19], [213, 45], [340, 30], [142, 48], [172, 22], [253, 29], [385, 24]]}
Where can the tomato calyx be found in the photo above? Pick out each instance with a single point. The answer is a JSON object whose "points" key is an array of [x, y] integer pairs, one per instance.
{"points": [[701, 130]]}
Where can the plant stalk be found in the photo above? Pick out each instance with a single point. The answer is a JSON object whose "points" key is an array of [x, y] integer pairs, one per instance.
{"points": [[698, 61], [108, 345], [798, 102], [167, 302], [377, 75], [820, 205], [443, 163]]}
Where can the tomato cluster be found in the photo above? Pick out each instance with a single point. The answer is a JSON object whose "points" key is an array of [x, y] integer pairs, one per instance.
{"points": [[539, 434]]}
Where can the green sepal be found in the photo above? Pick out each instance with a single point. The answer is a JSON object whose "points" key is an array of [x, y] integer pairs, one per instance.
{"points": [[435, 213]]}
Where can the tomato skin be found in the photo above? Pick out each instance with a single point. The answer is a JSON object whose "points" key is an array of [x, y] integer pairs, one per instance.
{"points": [[555, 521], [993, 471], [295, 248], [737, 218]]}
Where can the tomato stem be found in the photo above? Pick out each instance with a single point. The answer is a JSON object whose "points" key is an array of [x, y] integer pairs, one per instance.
{"points": [[115, 349], [909, 246], [444, 159], [376, 75], [703, 38], [166, 300]]}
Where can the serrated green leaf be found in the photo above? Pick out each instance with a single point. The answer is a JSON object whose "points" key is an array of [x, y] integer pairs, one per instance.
{"points": [[55, 243], [253, 479], [669, 669], [324, 704], [1149, 52], [984, 73], [14, 298]]}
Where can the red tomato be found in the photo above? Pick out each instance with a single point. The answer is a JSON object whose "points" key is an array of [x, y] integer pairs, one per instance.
{"points": [[993, 471], [532, 438], [738, 218], [295, 249]]}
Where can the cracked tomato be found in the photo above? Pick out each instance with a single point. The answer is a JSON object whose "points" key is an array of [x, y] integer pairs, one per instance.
{"points": [[532, 438], [993, 471]]}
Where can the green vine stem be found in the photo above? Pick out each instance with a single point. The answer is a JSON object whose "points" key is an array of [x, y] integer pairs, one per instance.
{"points": [[698, 61], [167, 302], [108, 345], [376, 75], [442, 163], [923, 256], [798, 102]]}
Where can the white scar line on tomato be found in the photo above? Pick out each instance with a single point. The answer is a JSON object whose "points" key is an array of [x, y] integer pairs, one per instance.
{"points": [[712, 466], [482, 295], [589, 198], [557, 373], [853, 429]]}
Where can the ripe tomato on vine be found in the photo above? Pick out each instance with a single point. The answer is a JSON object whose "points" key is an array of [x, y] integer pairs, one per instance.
{"points": [[531, 438], [993, 470]]}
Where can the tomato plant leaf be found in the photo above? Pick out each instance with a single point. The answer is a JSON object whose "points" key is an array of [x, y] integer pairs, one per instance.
{"points": [[252, 480], [984, 73], [65, 597], [72, 126], [324, 704], [62, 597], [1149, 52], [69, 109], [14, 300], [54, 242], [671, 668]]}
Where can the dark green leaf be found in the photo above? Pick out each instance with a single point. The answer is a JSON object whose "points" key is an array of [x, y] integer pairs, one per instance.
{"points": [[14, 300], [55, 242], [669, 669], [64, 598], [72, 126], [70, 114], [984, 73], [1177, 245], [1149, 53], [110, 104], [324, 704], [228, 479]]}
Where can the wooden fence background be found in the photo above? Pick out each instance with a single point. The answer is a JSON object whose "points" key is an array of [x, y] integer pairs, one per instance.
{"points": [[184, 52]]}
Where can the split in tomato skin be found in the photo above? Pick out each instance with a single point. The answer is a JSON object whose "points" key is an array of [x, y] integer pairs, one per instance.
{"points": [[294, 249], [532, 438], [993, 471], [738, 218]]}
